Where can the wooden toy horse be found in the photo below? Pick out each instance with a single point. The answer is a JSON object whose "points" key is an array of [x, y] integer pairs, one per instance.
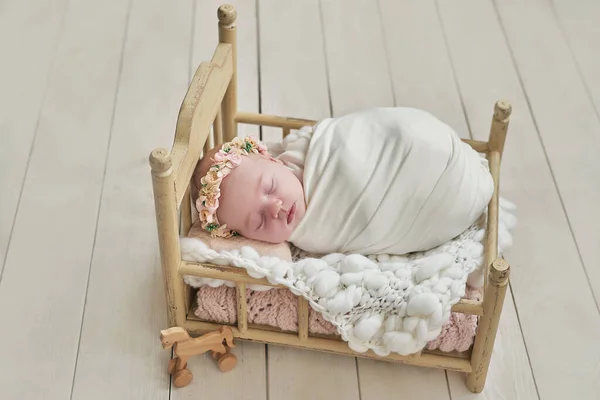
{"points": [[219, 342]]}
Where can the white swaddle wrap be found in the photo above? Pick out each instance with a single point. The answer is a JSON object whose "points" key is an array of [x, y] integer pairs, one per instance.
{"points": [[384, 180]]}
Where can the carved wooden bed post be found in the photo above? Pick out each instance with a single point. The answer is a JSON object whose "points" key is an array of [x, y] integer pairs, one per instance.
{"points": [[166, 219], [497, 277], [227, 34]]}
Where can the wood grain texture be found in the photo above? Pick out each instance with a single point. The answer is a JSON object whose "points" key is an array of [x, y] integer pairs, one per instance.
{"points": [[568, 122], [29, 34], [553, 300], [580, 27], [293, 78], [423, 77], [305, 374], [56, 224], [247, 380], [421, 70], [379, 379], [125, 308], [294, 83], [359, 76]]}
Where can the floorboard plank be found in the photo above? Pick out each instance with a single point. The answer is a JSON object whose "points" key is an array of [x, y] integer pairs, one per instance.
{"points": [[248, 380], [358, 68], [44, 284], [305, 374], [555, 308], [125, 307], [580, 27], [29, 33], [568, 122], [293, 79], [421, 70], [294, 83]]}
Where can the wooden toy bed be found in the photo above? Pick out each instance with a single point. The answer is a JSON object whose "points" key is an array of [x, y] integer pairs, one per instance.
{"points": [[211, 102]]}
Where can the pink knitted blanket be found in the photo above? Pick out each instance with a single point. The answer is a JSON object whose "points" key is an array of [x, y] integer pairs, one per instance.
{"points": [[278, 308]]}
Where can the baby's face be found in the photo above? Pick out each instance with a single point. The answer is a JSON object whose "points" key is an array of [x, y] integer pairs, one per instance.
{"points": [[261, 200]]}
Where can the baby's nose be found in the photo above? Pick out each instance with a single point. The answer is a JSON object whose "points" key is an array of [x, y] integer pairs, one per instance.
{"points": [[275, 207]]}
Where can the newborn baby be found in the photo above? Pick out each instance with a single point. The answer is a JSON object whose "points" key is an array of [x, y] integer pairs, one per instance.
{"points": [[384, 180], [244, 191]]}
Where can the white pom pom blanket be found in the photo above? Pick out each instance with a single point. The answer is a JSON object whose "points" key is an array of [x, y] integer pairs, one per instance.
{"points": [[384, 303]]}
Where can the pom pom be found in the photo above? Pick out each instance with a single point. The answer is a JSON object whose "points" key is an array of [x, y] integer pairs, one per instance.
{"points": [[356, 263], [327, 282], [423, 304], [432, 265], [367, 326]]}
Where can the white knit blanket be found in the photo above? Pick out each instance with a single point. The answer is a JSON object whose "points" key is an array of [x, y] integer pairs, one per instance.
{"points": [[383, 303]]}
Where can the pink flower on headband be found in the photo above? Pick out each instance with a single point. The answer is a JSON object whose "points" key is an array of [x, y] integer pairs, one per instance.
{"points": [[262, 148], [224, 161]]}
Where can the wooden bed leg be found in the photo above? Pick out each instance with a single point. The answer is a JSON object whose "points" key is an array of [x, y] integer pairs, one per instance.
{"points": [[168, 233], [227, 34], [488, 324], [499, 127]]}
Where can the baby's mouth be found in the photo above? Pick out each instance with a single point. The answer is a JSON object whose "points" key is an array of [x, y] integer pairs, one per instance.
{"points": [[291, 214]]}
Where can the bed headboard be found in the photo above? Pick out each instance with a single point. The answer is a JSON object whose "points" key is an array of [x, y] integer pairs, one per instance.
{"points": [[201, 109], [210, 101]]}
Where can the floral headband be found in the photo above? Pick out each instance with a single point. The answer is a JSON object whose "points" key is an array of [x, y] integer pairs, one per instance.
{"points": [[224, 161]]}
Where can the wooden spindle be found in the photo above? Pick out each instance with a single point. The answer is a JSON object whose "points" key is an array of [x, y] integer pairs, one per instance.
{"points": [[218, 130], [227, 34], [209, 144], [286, 131], [186, 213], [499, 126], [302, 318], [242, 307]]}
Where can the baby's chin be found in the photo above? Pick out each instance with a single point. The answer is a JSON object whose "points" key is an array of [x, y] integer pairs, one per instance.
{"points": [[273, 238]]}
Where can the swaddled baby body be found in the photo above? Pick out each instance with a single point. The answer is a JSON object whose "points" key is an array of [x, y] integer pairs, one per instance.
{"points": [[383, 180]]}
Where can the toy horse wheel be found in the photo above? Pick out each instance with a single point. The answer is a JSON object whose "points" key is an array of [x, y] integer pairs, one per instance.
{"points": [[227, 362], [182, 378], [216, 354]]}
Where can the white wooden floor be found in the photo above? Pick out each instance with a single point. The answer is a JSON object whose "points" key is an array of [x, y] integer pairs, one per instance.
{"points": [[88, 88]]}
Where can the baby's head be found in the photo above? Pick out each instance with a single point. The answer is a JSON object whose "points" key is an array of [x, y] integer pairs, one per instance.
{"points": [[243, 191]]}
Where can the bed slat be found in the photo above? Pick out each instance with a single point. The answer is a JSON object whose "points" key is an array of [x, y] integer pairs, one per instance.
{"points": [[242, 307], [302, 318], [218, 130], [186, 213]]}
